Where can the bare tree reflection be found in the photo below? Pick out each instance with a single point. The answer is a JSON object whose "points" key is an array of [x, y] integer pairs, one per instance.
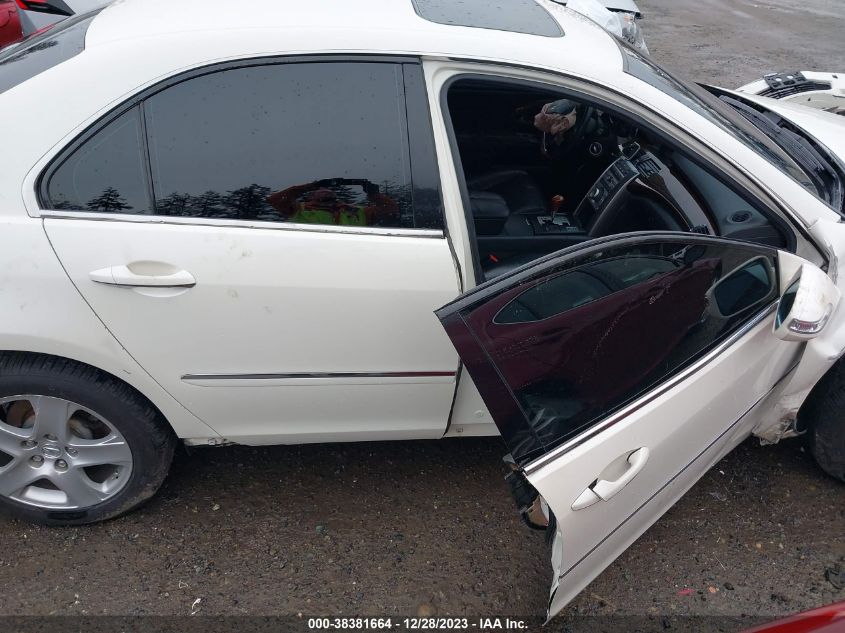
{"points": [[361, 201]]}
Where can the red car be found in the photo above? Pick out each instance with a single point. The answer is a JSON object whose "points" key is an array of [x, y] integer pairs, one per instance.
{"points": [[20, 18], [830, 619], [11, 29]]}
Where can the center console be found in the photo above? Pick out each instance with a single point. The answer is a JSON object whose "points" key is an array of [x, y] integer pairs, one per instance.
{"points": [[560, 224], [610, 184]]}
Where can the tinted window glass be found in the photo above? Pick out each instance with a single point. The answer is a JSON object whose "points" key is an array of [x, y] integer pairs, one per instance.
{"points": [[556, 296], [744, 287], [577, 288], [107, 174], [43, 51], [593, 332], [428, 206], [519, 16], [319, 143]]}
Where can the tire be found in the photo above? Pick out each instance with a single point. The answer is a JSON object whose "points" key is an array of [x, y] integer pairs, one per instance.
{"points": [[823, 417], [107, 423]]}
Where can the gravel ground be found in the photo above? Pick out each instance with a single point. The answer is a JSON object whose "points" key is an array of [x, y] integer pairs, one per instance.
{"points": [[428, 527], [732, 42]]}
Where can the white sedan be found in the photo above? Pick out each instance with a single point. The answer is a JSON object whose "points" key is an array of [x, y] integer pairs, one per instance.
{"points": [[240, 231]]}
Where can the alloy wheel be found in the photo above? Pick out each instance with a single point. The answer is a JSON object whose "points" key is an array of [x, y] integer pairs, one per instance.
{"points": [[57, 454]]}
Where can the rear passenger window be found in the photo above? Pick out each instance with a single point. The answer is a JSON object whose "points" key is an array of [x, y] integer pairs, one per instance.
{"points": [[309, 143], [107, 174]]}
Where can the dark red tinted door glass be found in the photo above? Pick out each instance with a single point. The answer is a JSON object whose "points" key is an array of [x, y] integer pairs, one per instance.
{"points": [[556, 348]]}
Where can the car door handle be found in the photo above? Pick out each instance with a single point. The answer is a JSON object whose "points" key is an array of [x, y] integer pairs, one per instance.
{"points": [[123, 276], [603, 490]]}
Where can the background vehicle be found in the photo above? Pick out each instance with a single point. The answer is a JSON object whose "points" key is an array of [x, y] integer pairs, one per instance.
{"points": [[830, 619], [38, 14], [204, 315], [22, 18], [620, 17], [620, 6], [825, 91], [11, 29]]}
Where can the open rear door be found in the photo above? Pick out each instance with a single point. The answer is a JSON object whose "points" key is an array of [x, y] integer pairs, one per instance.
{"points": [[620, 371]]}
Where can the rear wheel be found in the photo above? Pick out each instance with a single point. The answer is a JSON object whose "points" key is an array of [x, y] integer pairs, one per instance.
{"points": [[823, 416], [76, 445]]}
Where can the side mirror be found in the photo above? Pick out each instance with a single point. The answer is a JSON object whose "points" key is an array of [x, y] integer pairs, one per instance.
{"points": [[806, 305], [753, 284]]}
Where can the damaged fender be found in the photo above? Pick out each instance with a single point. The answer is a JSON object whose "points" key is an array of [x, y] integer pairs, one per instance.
{"points": [[819, 355]]}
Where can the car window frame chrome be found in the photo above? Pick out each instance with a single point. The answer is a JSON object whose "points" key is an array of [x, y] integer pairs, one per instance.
{"points": [[58, 214]]}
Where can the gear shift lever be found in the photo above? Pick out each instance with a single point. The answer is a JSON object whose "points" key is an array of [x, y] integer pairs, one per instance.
{"points": [[557, 203]]}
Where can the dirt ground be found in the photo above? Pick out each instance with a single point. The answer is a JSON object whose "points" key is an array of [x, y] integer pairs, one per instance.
{"points": [[732, 42], [429, 527]]}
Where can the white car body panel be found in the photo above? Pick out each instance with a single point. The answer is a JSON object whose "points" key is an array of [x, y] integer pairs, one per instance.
{"points": [[43, 313], [470, 417], [360, 303], [271, 308]]}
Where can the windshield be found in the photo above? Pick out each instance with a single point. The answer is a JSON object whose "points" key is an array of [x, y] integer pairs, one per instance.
{"points": [[43, 50], [715, 111]]}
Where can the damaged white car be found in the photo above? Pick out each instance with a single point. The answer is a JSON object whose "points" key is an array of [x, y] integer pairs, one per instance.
{"points": [[255, 232], [619, 17], [824, 91]]}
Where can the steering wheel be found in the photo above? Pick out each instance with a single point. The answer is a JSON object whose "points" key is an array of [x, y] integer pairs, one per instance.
{"points": [[655, 208], [584, 114]]}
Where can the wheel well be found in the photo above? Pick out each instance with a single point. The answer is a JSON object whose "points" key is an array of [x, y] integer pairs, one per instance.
{"points": [[809, 408], [49, 361]]}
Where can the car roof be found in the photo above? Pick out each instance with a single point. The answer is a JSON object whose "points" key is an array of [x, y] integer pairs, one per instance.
{"points": [[371, 26]]}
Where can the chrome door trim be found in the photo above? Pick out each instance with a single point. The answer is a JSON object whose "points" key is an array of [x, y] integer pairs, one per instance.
{"points": [[620, 415], [310, 375], [246, 224]]}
